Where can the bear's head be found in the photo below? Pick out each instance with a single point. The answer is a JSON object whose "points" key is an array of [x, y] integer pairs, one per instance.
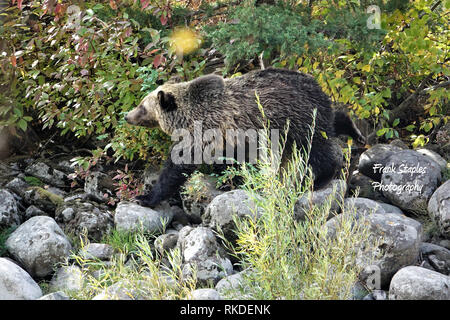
{"points": [[149, 112], [174, 105]]}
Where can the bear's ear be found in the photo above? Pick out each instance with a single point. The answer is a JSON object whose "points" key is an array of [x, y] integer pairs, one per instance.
{"points": [[166, 101]]}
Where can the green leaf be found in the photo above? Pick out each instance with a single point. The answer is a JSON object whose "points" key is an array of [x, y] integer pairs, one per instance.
{"points": [[396, 122], [22, 124], [381, 132]]}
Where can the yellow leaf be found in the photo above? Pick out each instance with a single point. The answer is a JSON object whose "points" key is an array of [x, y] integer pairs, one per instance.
{"points": [[366, 68]]}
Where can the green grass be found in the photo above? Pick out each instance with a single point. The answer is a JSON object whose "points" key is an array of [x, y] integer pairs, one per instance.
{"points": [[4, 234], [136, 266], [33, 181]]}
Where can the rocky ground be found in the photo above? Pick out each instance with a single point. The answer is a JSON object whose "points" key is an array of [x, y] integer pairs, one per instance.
{"points": [[42, 213]]}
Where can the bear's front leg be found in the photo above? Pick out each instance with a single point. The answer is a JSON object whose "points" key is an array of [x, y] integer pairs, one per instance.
{"points": [[169, 182]]}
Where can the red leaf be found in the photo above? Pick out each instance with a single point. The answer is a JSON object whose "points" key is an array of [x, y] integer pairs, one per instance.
{"points": [[113, 4], [163, 19], [157, 61], [19, 4], [13, 61], [145, 3], [153, 51]]}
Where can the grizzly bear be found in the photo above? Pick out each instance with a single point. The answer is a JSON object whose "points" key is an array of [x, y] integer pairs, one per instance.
{"points": [[287, 98]]}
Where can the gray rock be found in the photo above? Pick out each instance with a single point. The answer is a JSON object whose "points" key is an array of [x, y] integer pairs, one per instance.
{"points": [[437, 257], [434, 156], [166, 242], [205, 294], [445, 243], [80, 217], [197, 193], [360, 292], [220, 212], [122, 290], [131, 216], [389, 208], [18, 186], [43, 199], [200, 250], [378, 154], [410, 191], [363, 187], [39, 244], [416, 283], [233, 287], [439, 209], [99, 186], [77, 196], [398, 237], [333, 193], [44, 172], [362, 206], [33, 211], [377, 295], [9, 213], [100, 251], [67, 279], [16, 284], [59, 295]]}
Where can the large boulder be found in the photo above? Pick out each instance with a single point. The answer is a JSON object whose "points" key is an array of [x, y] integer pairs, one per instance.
{"points": [[16, 284], [409, 180], [220, 212], [416, 283], [439, 209], [201, 251], [373, 158], [80, 217], [398, 242], [39, 244], [9, 213], [130, 216]]}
